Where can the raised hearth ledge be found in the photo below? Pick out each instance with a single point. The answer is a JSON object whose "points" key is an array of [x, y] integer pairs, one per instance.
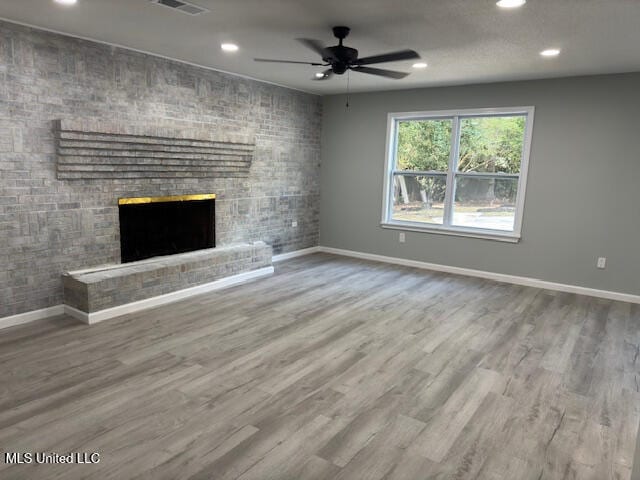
{"points": [[95, 317], [93, 295]]}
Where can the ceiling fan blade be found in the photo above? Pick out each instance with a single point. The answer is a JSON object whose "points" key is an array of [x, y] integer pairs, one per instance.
{"points": [[327, 74], [380, 72], [388, 57], [318, 47], [271, 60]]}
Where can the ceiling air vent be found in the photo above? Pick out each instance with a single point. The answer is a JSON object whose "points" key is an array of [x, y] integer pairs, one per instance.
{"points": [[179, 5]]}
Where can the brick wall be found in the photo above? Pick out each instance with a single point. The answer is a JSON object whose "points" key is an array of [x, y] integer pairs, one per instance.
{"points": [[48, 226]]}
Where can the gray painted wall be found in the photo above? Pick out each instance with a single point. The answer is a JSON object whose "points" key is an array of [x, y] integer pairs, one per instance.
{"points": [[583, 191], [48, 226]]}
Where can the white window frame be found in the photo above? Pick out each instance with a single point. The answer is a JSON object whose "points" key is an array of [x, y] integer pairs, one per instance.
{"points": [[446, 228]]}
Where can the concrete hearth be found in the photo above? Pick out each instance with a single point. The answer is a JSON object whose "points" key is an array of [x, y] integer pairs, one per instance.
{"points": [[96, 294]]}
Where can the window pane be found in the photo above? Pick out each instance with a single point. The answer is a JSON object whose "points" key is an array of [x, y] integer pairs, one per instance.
{"points": [[424, 145], [488, 203], [419, 198], [491, 144]]}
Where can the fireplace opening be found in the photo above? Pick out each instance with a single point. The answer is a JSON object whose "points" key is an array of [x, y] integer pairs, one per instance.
{"points": [[155, 226]]}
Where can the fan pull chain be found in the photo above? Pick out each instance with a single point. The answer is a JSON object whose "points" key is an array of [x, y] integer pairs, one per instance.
{"points": [[348, 78]]}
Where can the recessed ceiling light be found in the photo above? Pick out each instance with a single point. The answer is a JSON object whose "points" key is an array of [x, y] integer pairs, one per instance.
{"points": [[229, 47], [550, 52], [66, 2], [511, 3], [419, 65]]}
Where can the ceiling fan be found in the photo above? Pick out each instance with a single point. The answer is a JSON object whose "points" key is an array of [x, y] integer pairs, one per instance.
{"points": [[340, 58]]}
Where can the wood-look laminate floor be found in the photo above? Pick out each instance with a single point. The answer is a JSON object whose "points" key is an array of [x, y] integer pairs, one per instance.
{"points": [[333, 369]]}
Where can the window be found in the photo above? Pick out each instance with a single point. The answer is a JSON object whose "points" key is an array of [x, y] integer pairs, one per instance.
{"points": [[458, 172]]}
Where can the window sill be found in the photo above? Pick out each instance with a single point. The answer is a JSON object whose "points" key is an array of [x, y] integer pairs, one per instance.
{"points": [[458, 232]]}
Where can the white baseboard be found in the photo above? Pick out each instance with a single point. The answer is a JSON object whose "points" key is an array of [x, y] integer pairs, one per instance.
{"points": [[499, 277], [95, 317], [32, 316], [99, 316], [294, 254]]}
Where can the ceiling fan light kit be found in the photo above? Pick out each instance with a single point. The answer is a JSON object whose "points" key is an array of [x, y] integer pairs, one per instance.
{"points": [[340, 58]]}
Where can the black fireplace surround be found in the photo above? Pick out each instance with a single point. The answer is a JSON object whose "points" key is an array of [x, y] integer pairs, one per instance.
{"points": [[150, 227]]}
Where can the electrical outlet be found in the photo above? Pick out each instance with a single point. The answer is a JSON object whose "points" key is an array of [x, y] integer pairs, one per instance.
{"points": [[602, 263], [294, 224], [401, 237]]}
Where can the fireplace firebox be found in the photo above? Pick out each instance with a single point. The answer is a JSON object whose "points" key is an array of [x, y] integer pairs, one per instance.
{"points": [[154, 226]]}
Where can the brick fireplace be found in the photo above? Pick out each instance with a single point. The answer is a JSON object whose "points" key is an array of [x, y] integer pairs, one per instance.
{"points": [[59, 208]]}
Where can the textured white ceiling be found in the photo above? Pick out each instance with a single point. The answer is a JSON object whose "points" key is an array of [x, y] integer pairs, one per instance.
{"points": [[463, 41]]}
